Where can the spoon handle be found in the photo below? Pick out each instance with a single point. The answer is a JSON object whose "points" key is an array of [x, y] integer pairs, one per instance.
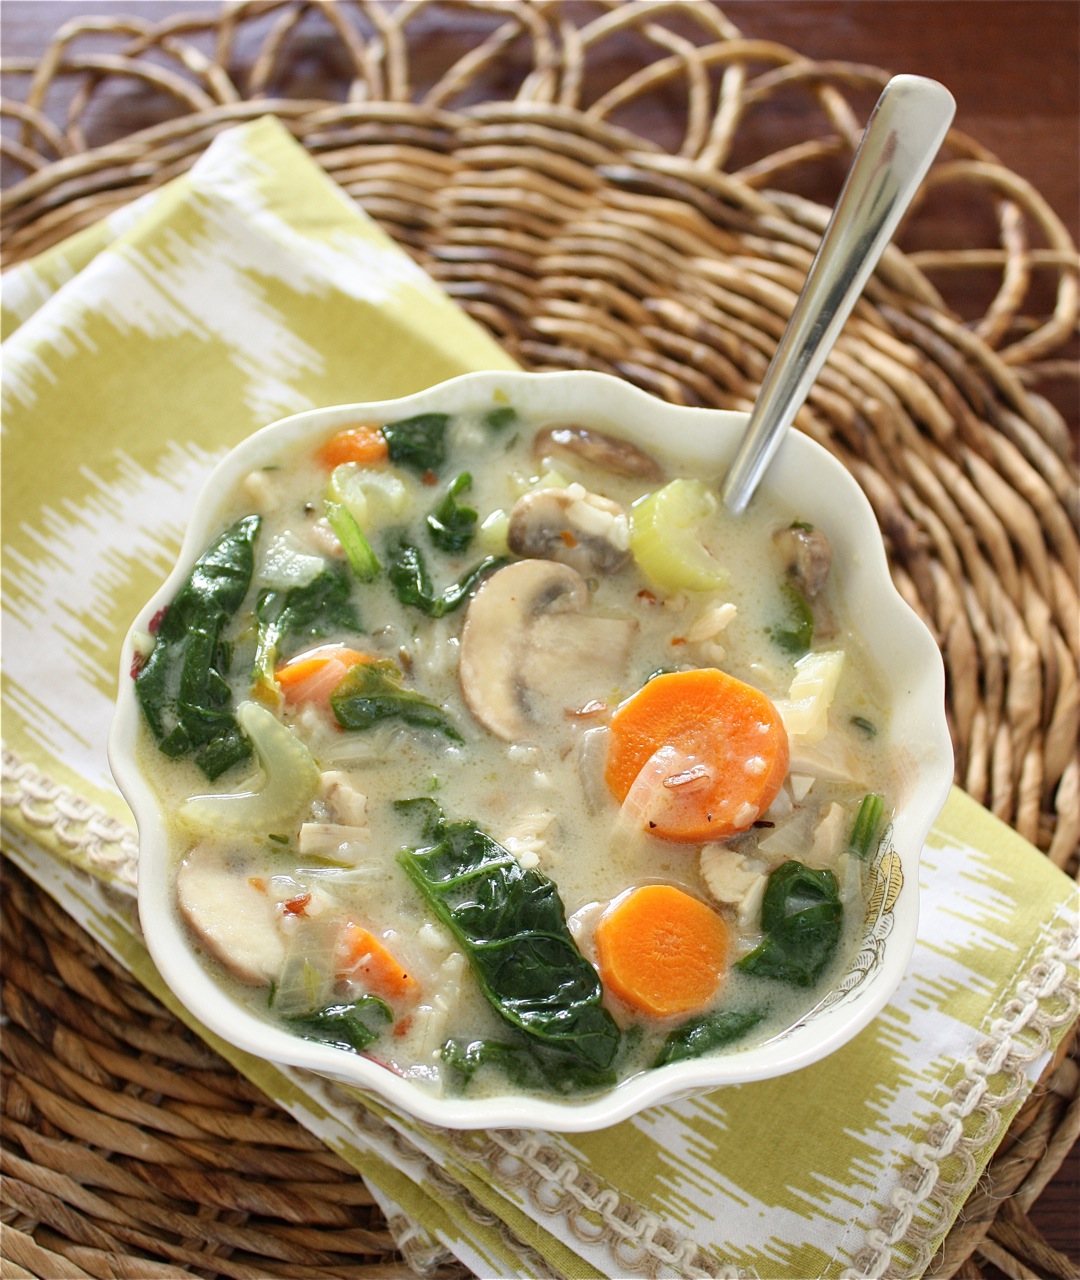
{"points": [[902, 137]]}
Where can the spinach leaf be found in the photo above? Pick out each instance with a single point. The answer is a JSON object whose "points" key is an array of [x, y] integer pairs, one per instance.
{"points": [[426, 810], [510, 923], [418, 443], [183, 687], [797, 637], [452, 525], [801, 917], [501, 417], [463, 1058], [412, 583], [345, 1026], [525, 1065], [321, 608], [371, 693], [711, 1031]]}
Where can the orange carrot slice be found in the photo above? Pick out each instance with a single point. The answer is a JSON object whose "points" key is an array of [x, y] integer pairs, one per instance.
{"points": [[364, 443], [707, 752], [365, 959], [662, 951], [313, 676]]}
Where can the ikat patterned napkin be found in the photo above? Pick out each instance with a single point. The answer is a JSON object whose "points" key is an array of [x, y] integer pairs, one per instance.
{"points": [[136, 353]]}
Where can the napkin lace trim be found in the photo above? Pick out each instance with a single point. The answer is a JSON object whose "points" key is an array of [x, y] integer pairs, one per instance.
{"points": [[596, 1214], [942, 1170], [918, 1214], [900, 1244], [84, 832], [341, 1101]]}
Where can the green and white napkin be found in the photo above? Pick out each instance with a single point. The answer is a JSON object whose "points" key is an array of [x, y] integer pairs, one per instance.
{"points": [[136, 353]]}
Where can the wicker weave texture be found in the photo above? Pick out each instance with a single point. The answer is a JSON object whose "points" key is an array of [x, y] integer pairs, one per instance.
{"points": [[125, 1136], [498, 158], [581, 245]]}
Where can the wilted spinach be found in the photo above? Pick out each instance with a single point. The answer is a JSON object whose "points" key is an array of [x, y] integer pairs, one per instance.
{"points": [[353, 1026], [501, 417], [418, 443], [526, 1065], [797, 636], [707, 1033], [371, 693], [425, 811], [801, 918], [183, 687], [510, 923], [451, 524], [321, 608], [412, 583]]}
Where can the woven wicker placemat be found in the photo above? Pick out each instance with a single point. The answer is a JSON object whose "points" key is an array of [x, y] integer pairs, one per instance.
{"points": [[129, 1149]]}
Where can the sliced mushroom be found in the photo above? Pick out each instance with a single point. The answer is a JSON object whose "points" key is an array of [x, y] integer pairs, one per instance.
{"points": [[807, 557], [581, 529], [233, 915], [528, 648], [604, 451]]}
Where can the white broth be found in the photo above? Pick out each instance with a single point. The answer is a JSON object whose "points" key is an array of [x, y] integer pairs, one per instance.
{"points": [[496, 750]]}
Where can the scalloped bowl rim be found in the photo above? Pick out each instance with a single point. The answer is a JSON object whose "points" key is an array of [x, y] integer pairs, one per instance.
{"points": [[827, 495]]}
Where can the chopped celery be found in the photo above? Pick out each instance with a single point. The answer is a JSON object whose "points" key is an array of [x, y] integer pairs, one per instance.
{"points": [[549, 478], [368, 493], [290, 782], [665, 537], [493, 533], [865, 834], [358, 552]]}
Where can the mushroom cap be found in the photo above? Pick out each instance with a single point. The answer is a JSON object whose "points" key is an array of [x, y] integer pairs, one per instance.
{"points": [[232, 917], [528, 647], [807, 557], [588, 532], [598, 448]]}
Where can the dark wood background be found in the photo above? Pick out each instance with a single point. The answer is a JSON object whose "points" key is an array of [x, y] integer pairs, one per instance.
{"points": [[1012, 65]]}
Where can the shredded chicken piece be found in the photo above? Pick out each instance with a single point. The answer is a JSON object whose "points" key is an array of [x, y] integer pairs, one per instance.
{"points": [[829, 836], [734, 879], [708, 625], [332, 839], [347, 805]]}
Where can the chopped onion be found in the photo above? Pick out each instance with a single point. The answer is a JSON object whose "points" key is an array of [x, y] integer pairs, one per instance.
{"points": [[309, 973], [287, 565], [805, 711], [665, 771]]}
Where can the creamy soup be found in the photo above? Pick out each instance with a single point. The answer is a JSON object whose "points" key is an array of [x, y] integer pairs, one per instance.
{"points": [[495, 750]]}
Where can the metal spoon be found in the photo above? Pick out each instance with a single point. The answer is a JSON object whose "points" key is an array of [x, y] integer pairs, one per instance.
{"points": [[902, 137]]}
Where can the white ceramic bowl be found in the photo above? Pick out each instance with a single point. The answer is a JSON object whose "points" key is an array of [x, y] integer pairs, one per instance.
{"points": [[808, 480]]}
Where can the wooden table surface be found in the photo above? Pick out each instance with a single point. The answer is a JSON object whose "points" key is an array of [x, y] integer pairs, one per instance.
{"points": [[1013, 66]]}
